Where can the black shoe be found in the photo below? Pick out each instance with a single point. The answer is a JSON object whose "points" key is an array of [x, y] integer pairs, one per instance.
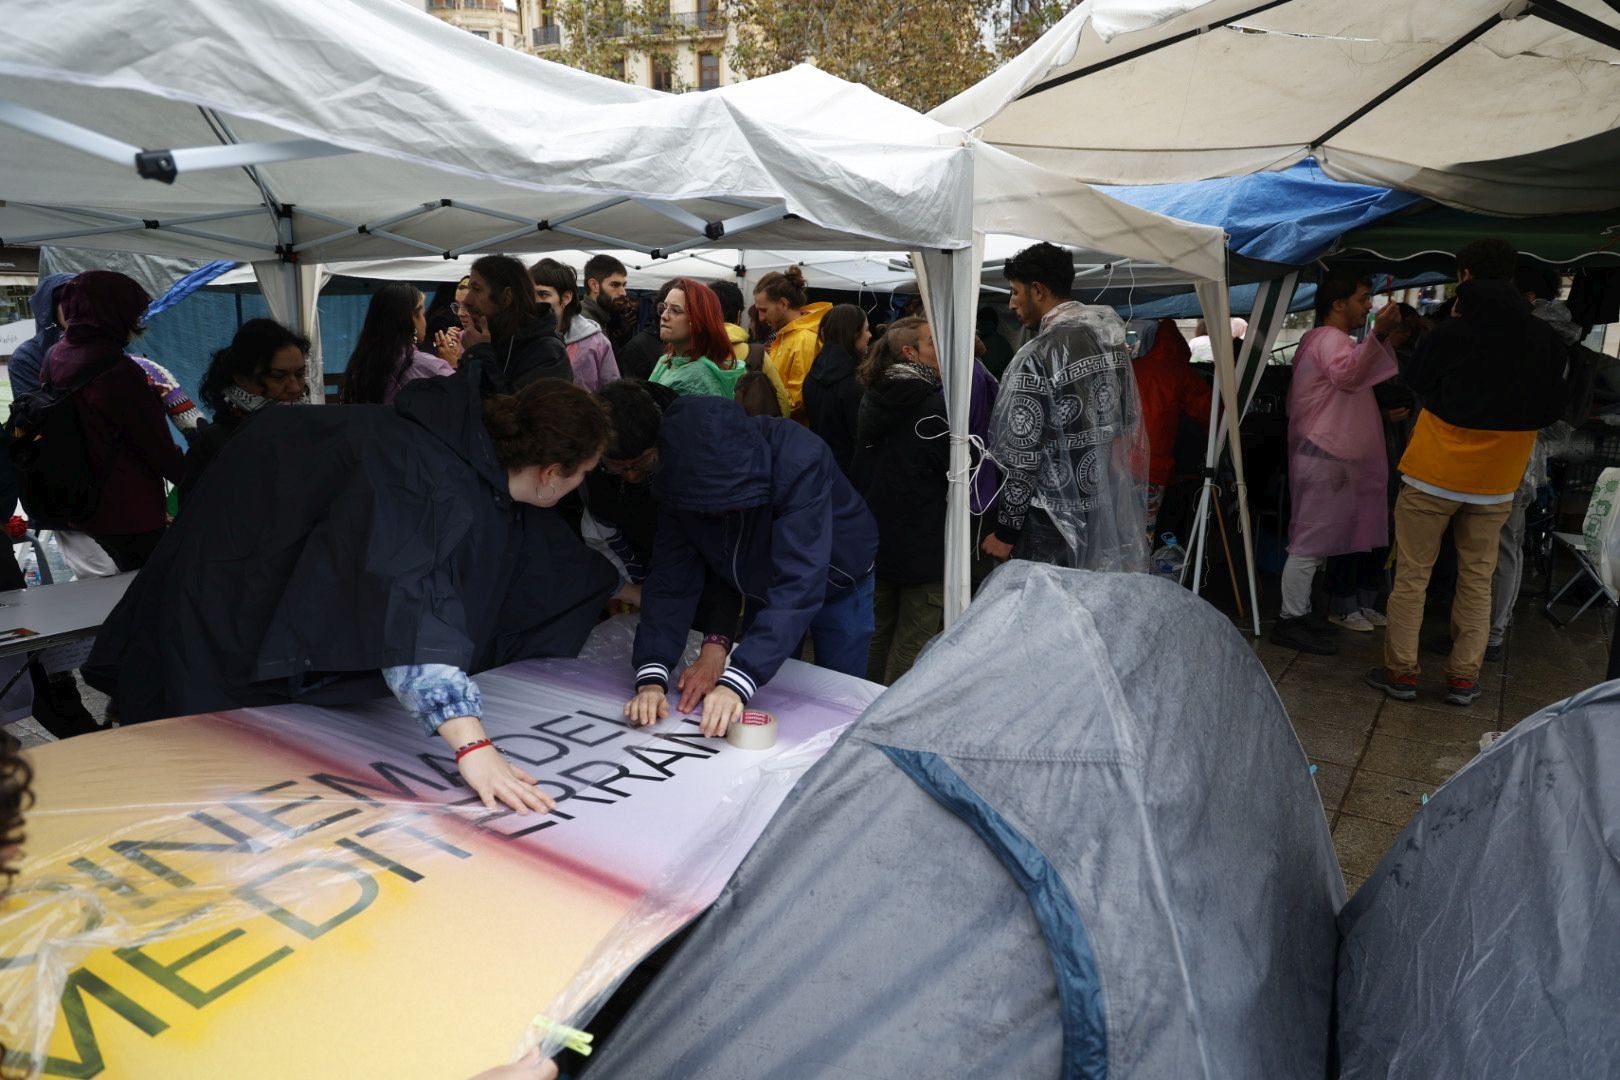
{"points": [[57, 707], [1493, 653], [1299, 634]]}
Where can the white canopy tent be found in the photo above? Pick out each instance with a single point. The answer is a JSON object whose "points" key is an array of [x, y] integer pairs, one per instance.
{"points": [[1498, 106], [293, 135]]}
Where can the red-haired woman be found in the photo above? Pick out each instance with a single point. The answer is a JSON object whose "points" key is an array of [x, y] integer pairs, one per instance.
{"points": [[697, 349]]}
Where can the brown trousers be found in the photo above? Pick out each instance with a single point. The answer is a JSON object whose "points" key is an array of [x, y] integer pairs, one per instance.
{"points": [[1421, 521]]}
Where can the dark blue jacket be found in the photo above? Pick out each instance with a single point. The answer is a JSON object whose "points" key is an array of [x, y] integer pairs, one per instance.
{"points": [[23, 367], [762, 503]]}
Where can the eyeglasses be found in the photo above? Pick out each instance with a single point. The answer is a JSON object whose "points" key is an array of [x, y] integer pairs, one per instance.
{"points": [[672, 309]]}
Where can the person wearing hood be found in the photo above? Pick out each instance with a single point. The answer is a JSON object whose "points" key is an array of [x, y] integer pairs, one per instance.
{"points": [[902, 463], [23, 367], [1488, 378], [334, 554], [589, 350], [783, 305], [389, 351], [265, 364], [750, 352], [697, 353], [832, 393], [125, 428], [761, 504], [1066, 429], [513, 339]]}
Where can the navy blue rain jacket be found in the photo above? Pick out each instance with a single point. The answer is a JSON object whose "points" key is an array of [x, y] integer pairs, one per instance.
{"points": [[23, 368], [762, 503]]}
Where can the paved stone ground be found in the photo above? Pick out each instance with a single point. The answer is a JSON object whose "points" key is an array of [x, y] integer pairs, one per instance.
{"points": [[1376, 757]]}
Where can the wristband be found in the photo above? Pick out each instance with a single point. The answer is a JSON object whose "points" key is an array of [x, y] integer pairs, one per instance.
{"points": [[717, 639], [470, 747]]}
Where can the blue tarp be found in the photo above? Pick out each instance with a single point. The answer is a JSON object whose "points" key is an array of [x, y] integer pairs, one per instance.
{"points": [[1291, 216]]}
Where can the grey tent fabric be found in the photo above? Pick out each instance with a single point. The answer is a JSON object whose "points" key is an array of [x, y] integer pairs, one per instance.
{"points": [[1079, 839], [1487, 943]]}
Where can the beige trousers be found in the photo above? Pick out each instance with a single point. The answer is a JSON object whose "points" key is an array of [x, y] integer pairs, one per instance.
{"points": [[1421, 521]]}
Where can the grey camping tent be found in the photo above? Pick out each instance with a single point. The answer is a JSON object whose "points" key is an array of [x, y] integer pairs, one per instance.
{"points": [[1079, 839], [1487, 942]]}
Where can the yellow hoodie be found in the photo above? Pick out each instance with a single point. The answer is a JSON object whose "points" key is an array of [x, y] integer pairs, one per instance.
{"points": [[739, 351], [794, 350]]}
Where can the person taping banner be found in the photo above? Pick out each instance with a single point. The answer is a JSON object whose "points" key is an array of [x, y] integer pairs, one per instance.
{"points": [[762, 503]]}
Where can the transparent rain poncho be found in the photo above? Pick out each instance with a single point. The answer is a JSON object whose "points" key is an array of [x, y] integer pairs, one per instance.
{"points": [[1067, 432]]}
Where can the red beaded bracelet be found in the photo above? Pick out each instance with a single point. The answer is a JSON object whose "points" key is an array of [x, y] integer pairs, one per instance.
{"points": [[470, 747]]}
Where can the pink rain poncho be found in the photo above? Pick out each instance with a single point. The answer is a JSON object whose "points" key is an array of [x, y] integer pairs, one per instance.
{"points": [[1337, 467]]}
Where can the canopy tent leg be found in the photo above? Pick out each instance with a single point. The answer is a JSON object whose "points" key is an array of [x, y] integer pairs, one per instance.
{"points": [[1265, 323], [1212, 297], [949, 284]]}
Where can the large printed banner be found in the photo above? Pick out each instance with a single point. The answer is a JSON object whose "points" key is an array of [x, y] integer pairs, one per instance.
{"points": [[309, 892]]}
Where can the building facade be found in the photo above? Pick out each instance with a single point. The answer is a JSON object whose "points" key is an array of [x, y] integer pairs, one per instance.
{"points": [[499, 21], [692, 36]]}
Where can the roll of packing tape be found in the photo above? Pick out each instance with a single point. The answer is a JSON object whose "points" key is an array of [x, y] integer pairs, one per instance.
{"points": [[754, 731]]}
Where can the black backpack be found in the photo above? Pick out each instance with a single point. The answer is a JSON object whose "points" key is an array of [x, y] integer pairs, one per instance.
{"points": [[55, 480]]}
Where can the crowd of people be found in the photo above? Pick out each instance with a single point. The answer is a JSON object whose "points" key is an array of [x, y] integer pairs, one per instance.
{"points": [[514, 451]]}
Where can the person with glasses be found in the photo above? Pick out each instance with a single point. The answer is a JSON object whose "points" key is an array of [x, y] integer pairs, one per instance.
{"points": [[447, 317], [265, 364], [698, 358]]}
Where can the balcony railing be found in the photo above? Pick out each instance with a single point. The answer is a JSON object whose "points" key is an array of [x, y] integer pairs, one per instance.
{"points": [[546, 35], [693, 22]]}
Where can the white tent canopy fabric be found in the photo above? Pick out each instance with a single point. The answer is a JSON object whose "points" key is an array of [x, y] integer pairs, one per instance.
{"points": [[1514, 99], [290, 135]]}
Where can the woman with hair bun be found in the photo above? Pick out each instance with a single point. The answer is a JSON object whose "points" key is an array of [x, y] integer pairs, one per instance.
{"points": [[363, 550], [784, 306]]}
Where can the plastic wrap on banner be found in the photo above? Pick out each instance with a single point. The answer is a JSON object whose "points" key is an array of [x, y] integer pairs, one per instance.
{"points": [[273, 891]]}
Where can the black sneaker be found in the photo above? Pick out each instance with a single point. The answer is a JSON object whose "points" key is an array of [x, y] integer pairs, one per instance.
{"points": [[1462, 691], [1399, 687], [1493, 653], [1299, 634]]}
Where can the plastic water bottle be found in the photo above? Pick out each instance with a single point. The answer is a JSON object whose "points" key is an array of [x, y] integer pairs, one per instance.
{"points": [[1169, 559], [30, 568]]}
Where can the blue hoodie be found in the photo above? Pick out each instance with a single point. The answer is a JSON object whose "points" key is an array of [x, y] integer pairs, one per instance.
{"points": [[23, 368], [763, 504]]}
